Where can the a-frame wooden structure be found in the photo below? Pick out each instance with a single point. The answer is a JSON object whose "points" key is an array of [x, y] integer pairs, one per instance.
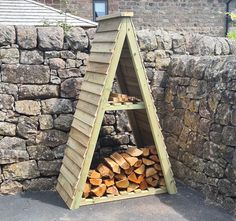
{"points": [[115, 51]]}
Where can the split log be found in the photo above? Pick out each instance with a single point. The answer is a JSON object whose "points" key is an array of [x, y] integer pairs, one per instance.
{"points": [[120, 176], [162, 182], [93, 174], [131, 160], [114, 99], [140, 178], [109, 182], [150, 172], [156, 177], [87, 189], [153, 150], [148, 162], [120, 161], [113, 190], [154, 158], [138, 163], [143, 185], [158, 167], [95, 182], [122, 184], [146, 151], [114, 166], [134, 152], [100, 190], [105, 171], [132, 187], [152, 182], [133, 178], [140, 170], [129, 171]]}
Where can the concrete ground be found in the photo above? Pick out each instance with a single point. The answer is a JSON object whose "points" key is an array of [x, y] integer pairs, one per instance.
{"points": [[187, 205]]}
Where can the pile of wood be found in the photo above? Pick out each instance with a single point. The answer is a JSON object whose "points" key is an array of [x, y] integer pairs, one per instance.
{"points": [[122, 98], [125, 171]]}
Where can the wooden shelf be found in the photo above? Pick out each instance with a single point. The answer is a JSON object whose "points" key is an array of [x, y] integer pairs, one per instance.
{"points": [[125, 106], [124, 195]]}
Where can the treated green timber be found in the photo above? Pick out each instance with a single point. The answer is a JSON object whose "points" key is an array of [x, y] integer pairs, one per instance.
{"points": [[138, 106], [126, 195]]}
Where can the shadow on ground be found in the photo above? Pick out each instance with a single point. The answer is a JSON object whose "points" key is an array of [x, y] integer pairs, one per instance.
{"points": [[187, 205]]}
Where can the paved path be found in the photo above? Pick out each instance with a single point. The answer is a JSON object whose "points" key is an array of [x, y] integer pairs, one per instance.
{"points": [[187, 205]]}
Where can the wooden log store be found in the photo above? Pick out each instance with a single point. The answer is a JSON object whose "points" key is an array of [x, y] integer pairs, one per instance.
{"points": [[139, 171]]}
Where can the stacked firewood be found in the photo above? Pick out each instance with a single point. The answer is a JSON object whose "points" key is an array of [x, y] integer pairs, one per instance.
{"points": [[122, 98], [136, 168]]}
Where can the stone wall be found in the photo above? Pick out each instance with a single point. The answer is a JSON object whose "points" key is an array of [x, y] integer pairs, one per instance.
{"points": [[193, 82], [41, 71], [192, 78], [199, 16]]}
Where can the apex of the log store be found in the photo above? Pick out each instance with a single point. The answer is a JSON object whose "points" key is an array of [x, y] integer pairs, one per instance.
{"points": [[116, 15]]}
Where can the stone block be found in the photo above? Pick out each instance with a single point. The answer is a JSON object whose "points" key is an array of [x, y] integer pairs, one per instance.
{"points": [[11, 89], [229, 135], [38, 91], [51, 138], [50, 38], [28, 107], [10, 187], [57, 106], [68, 73], [49, 168], [147, 40], [45, 122], [25, 74], [27, 126], [63, 122], [7, 129], [56, 63], [77, 39], [7, 35], [214, 170], [26, 37], [6, 101], [21, 171], [12, 149], [40, 152], [70, 88], [9, 56], [31, 57]]}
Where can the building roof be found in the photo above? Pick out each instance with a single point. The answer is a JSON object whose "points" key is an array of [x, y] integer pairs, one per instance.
{"points": [[28, 12]]}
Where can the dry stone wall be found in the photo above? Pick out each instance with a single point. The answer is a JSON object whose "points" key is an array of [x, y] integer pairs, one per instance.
{"points": [[41, 71], [193, 84], [192, 78]]}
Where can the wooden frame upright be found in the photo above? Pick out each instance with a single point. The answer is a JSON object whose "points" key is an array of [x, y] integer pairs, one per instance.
{"points": [[115, 52]]}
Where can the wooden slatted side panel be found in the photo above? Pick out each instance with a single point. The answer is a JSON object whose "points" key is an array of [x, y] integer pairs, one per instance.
{"points": [[87, 108], [129, 75], [98, 83], [109, 25]]}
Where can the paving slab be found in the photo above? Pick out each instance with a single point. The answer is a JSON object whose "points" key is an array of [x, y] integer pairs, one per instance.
{"points": [[187, 205]]}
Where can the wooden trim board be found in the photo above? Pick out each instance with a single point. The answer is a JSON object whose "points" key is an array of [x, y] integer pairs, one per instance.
{"points": [[116, 15], [126, 195]]}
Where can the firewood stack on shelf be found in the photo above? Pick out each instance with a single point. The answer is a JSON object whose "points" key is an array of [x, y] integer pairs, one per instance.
{"points": [[122, 98], [136, 168]]}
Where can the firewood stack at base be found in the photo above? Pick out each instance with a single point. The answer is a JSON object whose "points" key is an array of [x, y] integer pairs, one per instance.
{"points": [[122, 98], [125, 171]]}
